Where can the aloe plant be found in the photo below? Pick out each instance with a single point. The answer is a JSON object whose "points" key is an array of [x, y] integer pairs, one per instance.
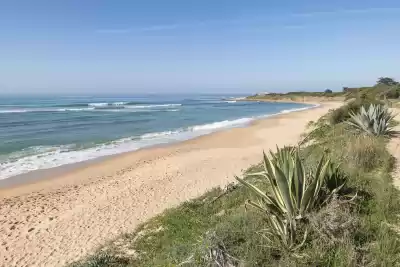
{"points": [[375, 120]]}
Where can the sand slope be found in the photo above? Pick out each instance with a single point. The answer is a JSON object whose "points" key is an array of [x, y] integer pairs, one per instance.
{"points": [[57, 221], [394, 149]]}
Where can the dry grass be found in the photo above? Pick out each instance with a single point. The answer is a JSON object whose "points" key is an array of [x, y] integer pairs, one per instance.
{"points": [[335, 223], [364, 152]]}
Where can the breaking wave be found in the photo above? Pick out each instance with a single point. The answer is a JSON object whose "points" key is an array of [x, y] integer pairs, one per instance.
{"points": [[44, 157]]}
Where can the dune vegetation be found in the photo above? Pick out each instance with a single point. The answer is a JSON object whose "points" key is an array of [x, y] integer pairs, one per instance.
{"points": [[328, 201], [385, 88]]}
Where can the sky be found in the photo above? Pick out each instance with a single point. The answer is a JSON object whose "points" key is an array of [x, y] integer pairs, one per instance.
{"points": [[195, 46]]}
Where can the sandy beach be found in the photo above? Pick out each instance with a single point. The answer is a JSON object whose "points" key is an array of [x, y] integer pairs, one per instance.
{"points": [[54, 221]]}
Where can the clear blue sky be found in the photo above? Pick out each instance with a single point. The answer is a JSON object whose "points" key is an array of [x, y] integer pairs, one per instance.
{"points": [[128, 46]]}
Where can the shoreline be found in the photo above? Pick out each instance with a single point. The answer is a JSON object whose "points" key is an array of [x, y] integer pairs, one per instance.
{"points": [[59, 220], [36, 176]]}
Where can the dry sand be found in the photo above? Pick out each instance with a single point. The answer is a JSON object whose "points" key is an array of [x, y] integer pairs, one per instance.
{"points": [[55, 221], [394, 149]]}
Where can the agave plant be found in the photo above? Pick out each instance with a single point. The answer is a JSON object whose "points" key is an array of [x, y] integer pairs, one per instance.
{"points": [[375, 120], [282, 234], [335, 179], [293, 195]]}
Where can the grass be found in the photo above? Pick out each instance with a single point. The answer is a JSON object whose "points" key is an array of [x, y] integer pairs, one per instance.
{"points": [[365, 152], [217, 225]]}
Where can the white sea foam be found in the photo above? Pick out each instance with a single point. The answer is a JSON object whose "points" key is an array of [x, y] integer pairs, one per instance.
{"points": [[14, 111], [160, 134], [103, 107], [75, 109], [119, 103], [128, 110], [154, 106], [98, 104], [222, 124], [125, 104], [44, 157]]}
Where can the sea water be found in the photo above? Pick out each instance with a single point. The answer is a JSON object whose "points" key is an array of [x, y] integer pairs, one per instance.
{"points": [[40, 132]]}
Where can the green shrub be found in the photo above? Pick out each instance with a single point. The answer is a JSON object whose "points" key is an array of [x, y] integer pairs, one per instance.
{"points": [[342, 113]]}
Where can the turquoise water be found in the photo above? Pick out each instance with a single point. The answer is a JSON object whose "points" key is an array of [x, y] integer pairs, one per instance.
{"points": [[45, 132]]}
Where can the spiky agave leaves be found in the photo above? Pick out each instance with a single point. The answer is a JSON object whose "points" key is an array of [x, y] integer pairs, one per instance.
{"points": [[335, 179], [283, 234], [293, 195], [374, 121], [293, 192]]}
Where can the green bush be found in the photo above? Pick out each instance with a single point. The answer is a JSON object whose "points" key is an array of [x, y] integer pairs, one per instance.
{"points": [[342, 113]]}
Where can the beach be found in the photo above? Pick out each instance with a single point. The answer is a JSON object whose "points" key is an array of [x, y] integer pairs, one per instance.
{"points": [[57, 220]]}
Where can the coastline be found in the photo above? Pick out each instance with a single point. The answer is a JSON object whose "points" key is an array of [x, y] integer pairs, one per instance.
{"points": [[36, 176], [57, 220]]}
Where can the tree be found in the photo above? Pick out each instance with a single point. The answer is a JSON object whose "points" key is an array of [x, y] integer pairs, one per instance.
{"points": [[386, 81], [328, 91]]}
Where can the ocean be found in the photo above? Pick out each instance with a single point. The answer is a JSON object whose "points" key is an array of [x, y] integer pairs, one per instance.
{"points": [[45, 132]]}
